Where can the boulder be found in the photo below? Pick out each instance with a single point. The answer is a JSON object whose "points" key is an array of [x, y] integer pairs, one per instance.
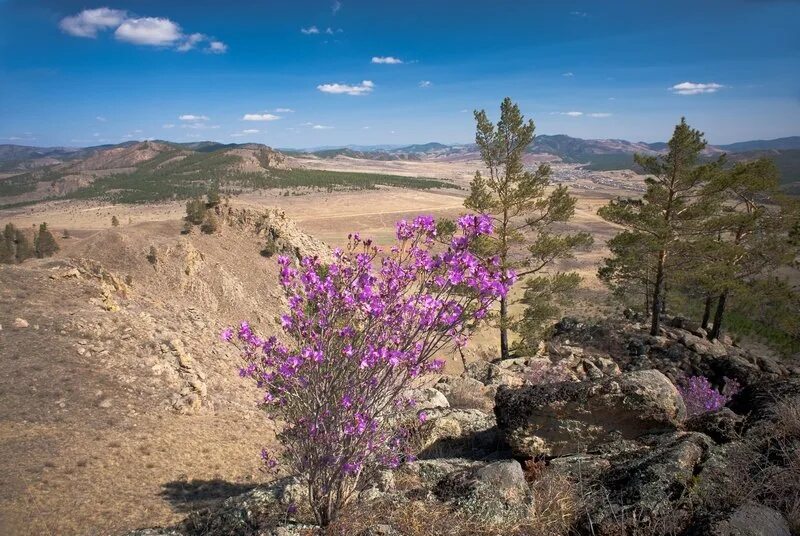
{"points": [[752, 519], [758, 400], [573, 417], [635, 482], [722, 426], [20, 323], [491, 374], [494, 492], [457, 433], [427, 398]]}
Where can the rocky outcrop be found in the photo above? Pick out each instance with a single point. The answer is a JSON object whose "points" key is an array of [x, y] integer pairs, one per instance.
{"points": [[573, 417]]}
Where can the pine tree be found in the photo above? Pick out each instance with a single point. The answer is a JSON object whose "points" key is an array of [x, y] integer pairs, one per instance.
{"points": [[520, 206], [195, 211], [672, 210], [210, 224], [23, 246], [114, 221], [7, 247], [753, 233], [45, 242], [212, 196], [630, 270]]}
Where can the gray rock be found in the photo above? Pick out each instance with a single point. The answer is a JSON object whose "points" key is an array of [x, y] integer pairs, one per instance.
{"points": [[752, 520], [572, 417], [722, 426], [427, 398], [457, 433]]}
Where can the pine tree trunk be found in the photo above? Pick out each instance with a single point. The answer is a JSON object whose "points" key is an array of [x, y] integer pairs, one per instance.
{"points": [[503, 328], [707, 311], [658, 291], [717, 329]]}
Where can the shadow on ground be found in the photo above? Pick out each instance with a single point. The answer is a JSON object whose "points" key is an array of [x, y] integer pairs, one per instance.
{"points": [[186, 496]]}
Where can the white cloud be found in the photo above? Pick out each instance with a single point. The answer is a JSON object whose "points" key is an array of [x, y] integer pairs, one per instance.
{"points": [[149, 31], [284, 110], [321, 127], [168, 125], [192, 117], [425, 83], [101, 118], [89, 21], [366, 86], [260, 117], [153, 31], [568, 74], [599, 114], [311, 30], [581, 14], [198, 126], [217, 47], [570, 114], [693, 88], [250, 131], [387, 60], [336, 7], [191, 41]]}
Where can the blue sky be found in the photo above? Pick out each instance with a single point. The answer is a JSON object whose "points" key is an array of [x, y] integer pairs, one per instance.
{"points": [[384, 72]]}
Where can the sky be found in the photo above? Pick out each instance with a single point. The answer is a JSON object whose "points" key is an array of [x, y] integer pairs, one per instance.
{"points": [[331, 73]]}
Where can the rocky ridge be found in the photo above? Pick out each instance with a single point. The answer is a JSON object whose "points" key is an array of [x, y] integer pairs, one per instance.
{"points": [[595, 411]]}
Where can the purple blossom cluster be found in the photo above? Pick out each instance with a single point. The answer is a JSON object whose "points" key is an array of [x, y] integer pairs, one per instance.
{"points": [[358, 332], [700, 396]]}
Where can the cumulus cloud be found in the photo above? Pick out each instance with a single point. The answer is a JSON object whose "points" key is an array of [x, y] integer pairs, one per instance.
{"points": [[217, 47], [568, 74], [260, 117], [321, 127], [147, 31], [311, 30], [154, 31], [89, 21], [425, 83], [694, 88], [192, 117], [387, 60], [366, 86]]}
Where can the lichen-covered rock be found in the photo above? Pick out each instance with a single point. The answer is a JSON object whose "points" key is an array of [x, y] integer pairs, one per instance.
{"points": [[752, 519], [722, 426], [572, 417], [493, 492], [639, 481], [427, 398], [457, 432]]}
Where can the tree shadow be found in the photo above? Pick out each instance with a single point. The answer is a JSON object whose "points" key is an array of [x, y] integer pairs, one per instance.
{"points": [[189, 495]]}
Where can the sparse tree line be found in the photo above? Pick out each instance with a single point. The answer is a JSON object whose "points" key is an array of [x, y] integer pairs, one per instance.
{"points": [[703, 232], [16, 245], [199, 212]]}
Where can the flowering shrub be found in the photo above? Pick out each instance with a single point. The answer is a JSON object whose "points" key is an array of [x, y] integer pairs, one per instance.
{"points": [[357, 333], [701, 397]]}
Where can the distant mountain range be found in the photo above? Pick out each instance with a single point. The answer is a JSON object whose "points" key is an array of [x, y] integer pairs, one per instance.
{"points": [[32, 173]]}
